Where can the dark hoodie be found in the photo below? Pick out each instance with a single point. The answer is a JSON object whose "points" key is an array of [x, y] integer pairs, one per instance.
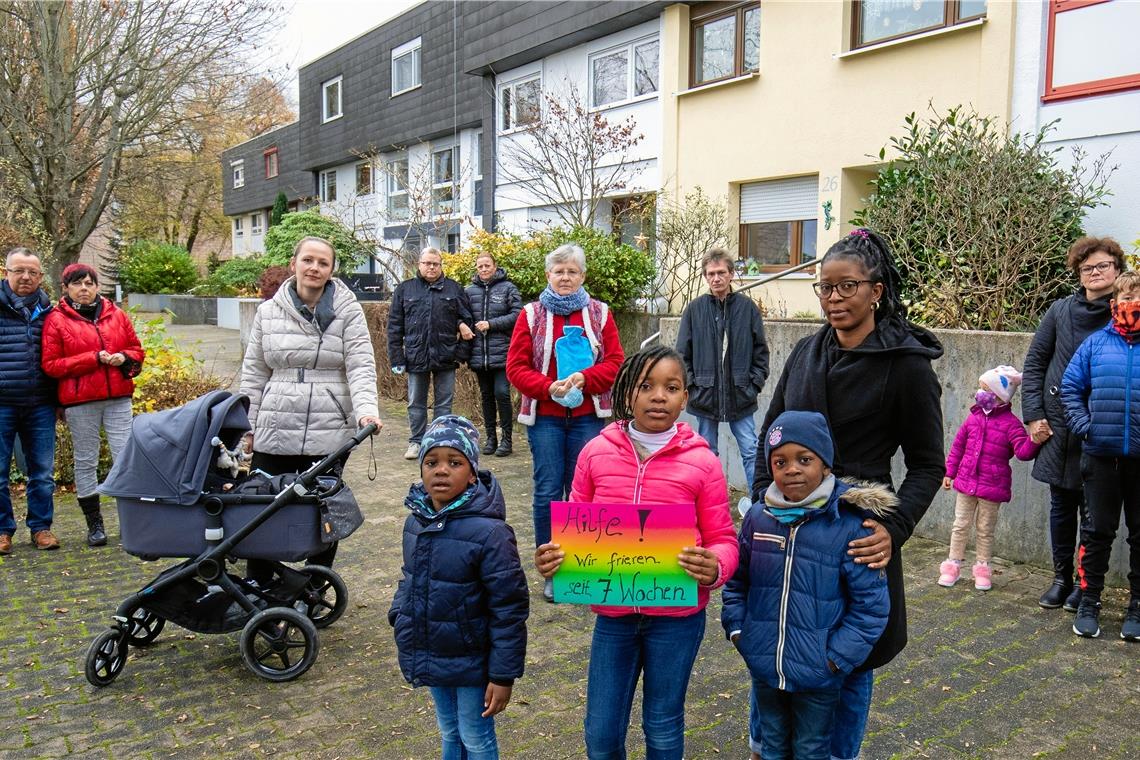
{"points": [[460, 609], [877, 397], [498, 302]]}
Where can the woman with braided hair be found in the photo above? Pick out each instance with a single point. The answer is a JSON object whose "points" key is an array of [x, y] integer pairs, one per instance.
{"points": [[868, 371]]}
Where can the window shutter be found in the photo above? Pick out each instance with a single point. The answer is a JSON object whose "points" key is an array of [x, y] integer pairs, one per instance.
{"points": [[780, 200]]}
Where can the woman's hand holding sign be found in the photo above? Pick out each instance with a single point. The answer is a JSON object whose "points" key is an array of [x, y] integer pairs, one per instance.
{"points": [[699, 563], [547, 559]]}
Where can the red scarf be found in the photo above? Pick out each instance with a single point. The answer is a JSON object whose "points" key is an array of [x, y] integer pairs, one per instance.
{"points": [[1126, 319]]}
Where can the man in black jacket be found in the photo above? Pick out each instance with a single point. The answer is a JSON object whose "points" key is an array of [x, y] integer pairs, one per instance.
{"points": [[428, 315], [726, 356]]}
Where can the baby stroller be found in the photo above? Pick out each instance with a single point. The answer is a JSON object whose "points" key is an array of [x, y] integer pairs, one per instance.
{"points": [[174, 500]]}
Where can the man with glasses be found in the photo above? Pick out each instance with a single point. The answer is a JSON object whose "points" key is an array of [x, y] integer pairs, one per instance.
{"points": [[27, 398], [726, 356], [429, 314]]}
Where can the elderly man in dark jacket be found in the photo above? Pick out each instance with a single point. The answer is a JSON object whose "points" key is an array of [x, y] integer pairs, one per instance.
{"points": [[726, 356], [496, 304], [27, 398], [428, 315]]}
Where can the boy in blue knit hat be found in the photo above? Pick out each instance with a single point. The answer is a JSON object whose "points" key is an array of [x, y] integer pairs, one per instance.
{"points": [[460, 609], [801, 613]]}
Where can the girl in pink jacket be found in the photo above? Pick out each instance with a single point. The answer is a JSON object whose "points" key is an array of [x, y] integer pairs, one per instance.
{"points": [[978, 469], [647, 457]]}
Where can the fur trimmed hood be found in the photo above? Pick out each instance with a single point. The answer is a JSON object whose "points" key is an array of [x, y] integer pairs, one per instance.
{"points": [[874, 498]]}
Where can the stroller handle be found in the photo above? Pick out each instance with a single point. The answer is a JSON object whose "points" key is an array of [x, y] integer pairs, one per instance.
{"points": [[309, 476]]}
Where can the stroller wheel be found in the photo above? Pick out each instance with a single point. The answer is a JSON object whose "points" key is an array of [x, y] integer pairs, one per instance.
{"points": [[279, 644], [144, 627], [325, 598], [106, 657]]}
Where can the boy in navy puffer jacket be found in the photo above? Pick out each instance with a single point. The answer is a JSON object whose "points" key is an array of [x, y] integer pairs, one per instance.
{"points": [[1101, 394], [801, 613], [460, 609]]}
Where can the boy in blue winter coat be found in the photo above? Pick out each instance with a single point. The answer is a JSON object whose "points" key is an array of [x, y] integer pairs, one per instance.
{"points": [[460, 609], [801, 613], [1101, 393]]}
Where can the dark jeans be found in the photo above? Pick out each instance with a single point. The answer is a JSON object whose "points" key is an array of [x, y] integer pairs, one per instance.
{"points": [[794, 724], [554, 446], [661, 650], [35, 426], [1111, 483], [495, 392], [850, 722], [1066, 513], [443, 383]]}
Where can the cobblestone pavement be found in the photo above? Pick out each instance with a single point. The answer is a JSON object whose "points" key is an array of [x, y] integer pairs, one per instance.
{"points": [[985, 675]]}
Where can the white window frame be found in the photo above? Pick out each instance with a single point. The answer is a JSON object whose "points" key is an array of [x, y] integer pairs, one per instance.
{"points": [[323, 186], [325, 115], [237, 172], [477, 172], [239, 229], [630, 49], [255, 226], [411, 48], [512, 87], [451, 183], [395, 189]]}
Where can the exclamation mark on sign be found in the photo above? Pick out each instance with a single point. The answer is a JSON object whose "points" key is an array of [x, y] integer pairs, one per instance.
{"points": [[642, 516]]}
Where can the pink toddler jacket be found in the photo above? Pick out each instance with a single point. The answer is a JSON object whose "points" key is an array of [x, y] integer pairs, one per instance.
{"points": [[979, 457], [684, 471]]}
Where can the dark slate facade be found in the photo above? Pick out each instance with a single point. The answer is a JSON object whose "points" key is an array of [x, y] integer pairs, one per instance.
{"points": [[259, 192]]}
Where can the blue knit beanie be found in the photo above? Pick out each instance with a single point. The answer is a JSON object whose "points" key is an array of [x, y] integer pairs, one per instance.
{"points": [[808, 429], [454, 431]]}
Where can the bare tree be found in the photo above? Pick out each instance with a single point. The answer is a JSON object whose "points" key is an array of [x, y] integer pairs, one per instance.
{"points": [[687, 228], [568, 157], [81, 83]]}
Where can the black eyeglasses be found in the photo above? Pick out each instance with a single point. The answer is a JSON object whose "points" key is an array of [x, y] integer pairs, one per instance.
{"points": [[846, 289], [1101, 267]]}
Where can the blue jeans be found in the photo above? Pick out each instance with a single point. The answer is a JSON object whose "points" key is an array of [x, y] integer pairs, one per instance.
{"points": [[444, 385], [466, 734], [850, 717], [795, 724], [743, 430], [35, 425], [555, 443], [664, 648]]}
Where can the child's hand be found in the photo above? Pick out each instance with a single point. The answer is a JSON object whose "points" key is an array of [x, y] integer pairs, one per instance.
{"points": [[495, 700], [700, 563], [874, 551], [547, 558], [947, 482]]}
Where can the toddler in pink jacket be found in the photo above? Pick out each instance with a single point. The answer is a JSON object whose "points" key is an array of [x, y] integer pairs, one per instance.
{"points": [[978, 469]]}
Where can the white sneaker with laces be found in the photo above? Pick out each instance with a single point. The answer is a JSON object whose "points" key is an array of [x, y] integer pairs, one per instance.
{"points": [[413, 451]]}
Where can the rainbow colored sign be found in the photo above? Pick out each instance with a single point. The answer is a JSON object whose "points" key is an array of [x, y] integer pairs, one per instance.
{"points": [[623, 555]]}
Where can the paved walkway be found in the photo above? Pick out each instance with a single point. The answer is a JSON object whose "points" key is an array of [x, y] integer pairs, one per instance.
{"points": [[986, 675]]}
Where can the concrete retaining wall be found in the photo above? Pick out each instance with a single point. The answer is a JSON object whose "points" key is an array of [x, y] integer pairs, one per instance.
{"points": [[1023, 528]]}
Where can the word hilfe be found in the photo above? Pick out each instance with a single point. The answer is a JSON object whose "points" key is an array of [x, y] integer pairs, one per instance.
{"points": [[582, 519]]}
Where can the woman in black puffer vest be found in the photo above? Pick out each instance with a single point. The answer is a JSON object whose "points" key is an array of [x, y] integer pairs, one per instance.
{"points": [[496, 303]]}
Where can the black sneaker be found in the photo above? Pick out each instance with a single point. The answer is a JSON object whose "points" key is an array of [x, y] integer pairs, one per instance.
{"points": [[1130, 631], [1087, 623], [1055, 595], [1073, 600]]}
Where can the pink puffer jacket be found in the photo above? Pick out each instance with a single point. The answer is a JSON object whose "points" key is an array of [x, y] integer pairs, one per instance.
{"points": [[684, 471], [979, 457]]}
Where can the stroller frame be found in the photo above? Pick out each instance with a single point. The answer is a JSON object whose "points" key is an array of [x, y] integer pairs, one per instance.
{"points": [[278, 642]]}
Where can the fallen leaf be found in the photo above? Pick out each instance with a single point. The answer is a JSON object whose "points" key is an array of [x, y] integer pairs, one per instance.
{"points": [[60, 610]]}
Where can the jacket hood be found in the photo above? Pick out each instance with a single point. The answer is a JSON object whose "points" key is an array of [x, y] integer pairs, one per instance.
{"points": [[342, 294], [869, 496], [486, 501], [897, 336], [499, 275]]}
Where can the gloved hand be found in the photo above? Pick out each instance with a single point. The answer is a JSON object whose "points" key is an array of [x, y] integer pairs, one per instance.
{"points": [[397, 370]]}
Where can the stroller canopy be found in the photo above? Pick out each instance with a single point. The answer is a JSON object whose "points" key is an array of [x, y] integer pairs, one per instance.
{"points": [[169, 452]]}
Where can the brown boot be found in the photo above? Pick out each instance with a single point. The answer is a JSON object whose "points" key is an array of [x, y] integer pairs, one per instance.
{"points": [[5, 544], [45, 539]]}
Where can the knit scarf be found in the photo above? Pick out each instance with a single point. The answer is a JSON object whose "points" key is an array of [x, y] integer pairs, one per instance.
{"points": [[788, 512], [563, 305], [1126, 320]]}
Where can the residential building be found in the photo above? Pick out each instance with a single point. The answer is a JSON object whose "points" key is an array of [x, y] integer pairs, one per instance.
{"points": [[1076, 64]]}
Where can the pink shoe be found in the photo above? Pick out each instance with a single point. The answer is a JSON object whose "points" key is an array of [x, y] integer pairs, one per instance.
{"points": [[948, 571], [983, 575]]}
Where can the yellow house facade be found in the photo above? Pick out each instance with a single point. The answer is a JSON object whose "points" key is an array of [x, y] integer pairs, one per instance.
{"points": [[781, 108]]}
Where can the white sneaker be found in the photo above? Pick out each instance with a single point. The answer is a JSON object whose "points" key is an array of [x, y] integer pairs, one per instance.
{"points": [[413, 451], [743, 505]]}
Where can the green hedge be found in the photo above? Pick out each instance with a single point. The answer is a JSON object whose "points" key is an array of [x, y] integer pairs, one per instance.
{"points": [[150, 267]]}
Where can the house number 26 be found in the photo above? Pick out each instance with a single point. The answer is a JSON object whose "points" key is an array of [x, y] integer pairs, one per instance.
{"points": [[829, 184]]}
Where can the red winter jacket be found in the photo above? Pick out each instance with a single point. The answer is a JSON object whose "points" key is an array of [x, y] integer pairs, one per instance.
{"points": [[71, 346]]}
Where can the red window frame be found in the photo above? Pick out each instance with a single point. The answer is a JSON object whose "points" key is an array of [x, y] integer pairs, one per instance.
{"points": [[1080, 89], [272, 153]]}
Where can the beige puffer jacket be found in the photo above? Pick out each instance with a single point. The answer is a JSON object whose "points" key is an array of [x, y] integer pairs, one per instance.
{"points": [[307, 390]]}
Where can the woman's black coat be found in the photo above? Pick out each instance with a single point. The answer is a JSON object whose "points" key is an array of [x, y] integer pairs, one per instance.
{"points": [[877, 398], [499, 303]]}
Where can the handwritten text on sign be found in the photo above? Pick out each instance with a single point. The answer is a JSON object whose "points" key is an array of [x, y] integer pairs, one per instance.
{"points": [[623, 555]]}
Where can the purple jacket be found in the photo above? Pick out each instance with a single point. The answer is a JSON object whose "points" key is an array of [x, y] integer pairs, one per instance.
{"points": [[979, 457]]}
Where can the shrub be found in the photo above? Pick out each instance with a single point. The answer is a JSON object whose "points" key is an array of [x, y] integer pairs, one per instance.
{"points": [[236, 277], [980, 219], [279, 210], [271, 280], [150, 267], [281, 238]]}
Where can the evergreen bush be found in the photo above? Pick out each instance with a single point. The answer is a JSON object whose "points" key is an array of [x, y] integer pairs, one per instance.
{"points": [[281, 238], [147, 266]]}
